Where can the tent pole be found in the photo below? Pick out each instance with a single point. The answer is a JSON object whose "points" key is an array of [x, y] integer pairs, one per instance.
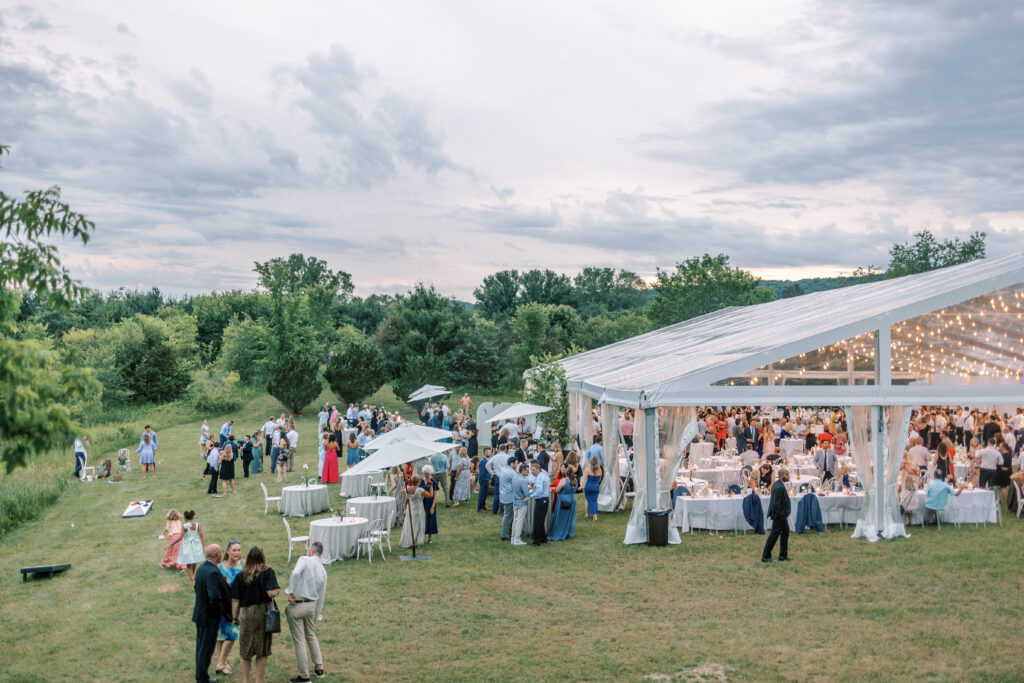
{"points": [[651, 455], [878, 435]]}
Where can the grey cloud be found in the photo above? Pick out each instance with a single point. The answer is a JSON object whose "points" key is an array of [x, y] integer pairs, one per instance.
{"points": [[38, 24], [939, 110], [195, 91], [123, 28], [368, 136]]}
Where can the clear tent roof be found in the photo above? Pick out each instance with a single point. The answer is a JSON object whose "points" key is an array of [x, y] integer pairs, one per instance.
{"points": [[965, 319]]}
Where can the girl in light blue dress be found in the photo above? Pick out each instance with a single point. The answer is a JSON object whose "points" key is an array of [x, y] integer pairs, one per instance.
{"points": [[192, 545], [323, 451]]}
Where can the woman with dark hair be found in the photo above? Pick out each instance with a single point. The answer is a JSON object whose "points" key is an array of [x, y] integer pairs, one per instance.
{"points": [[251, 596], [330, 471], [353, 450], [593, 486], [227, 465], [944, 460], [429, 487], [563, 492]]}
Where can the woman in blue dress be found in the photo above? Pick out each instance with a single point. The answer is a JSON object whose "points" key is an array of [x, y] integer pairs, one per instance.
{"points": [[429, 486], [231, 567], [257, 454], [563, 524], [460, 472], [592, 486], [147, 457]]}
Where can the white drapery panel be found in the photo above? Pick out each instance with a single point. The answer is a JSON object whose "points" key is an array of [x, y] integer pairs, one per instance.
{"points": [[859, 422], [574, 420], [610, 485], [676, 428], [586, 423], [897, 424], [636, 528]]}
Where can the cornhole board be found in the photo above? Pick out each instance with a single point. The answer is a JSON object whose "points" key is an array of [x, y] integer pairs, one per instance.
{"points": [[47, 570], [138, 508]]}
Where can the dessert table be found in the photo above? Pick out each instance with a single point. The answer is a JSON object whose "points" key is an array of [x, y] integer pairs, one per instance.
{"points": [[300, 501], [339, 537], [372, 508], [359, 484]]}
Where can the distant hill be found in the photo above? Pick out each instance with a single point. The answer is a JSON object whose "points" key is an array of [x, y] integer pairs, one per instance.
{"points": [[788, 288]]}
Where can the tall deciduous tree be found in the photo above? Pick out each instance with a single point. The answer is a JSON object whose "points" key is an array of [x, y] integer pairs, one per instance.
{"points": [[701, 285], [927, 253], [35, 388], [601, 290], [356, 366], [498, 295]]}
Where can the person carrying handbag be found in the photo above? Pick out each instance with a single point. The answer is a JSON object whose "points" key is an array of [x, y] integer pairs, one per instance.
{"points": [[253, 610]]}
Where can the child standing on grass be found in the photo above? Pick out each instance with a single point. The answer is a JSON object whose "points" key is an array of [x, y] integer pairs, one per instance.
{"points": [[192, 545], [175, 534]]}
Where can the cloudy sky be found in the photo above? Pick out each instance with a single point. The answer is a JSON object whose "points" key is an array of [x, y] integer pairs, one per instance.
{"points": [[439, 142]]}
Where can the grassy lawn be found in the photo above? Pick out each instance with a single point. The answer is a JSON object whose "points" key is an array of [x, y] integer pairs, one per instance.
{"points": [[935, 606]]}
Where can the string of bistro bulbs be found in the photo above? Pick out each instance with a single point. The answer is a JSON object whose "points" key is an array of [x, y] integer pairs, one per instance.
{"points": [[964, 340]]}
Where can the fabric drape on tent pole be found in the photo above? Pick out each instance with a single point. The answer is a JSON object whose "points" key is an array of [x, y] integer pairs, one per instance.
{"points": [[677, 426], [609, 492], [574, 421], [897, 425], [587, 425], [861, 428], [636, 528]]}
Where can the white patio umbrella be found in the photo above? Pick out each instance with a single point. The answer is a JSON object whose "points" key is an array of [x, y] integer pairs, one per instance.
{"points": [[427, 391], [407, 432], [398, 454], [519, 410]]}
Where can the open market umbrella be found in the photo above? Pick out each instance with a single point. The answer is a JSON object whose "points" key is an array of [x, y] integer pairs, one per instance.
{"points": [[397, 453], [428, 391], [519, 410], [407, 432]]}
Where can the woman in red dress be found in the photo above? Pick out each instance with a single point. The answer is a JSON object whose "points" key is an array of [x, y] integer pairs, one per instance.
{"points": [[330, 461]]}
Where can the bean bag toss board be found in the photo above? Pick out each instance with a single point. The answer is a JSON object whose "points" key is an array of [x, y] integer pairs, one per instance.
{"points": [[138, 508], [47, 570]]}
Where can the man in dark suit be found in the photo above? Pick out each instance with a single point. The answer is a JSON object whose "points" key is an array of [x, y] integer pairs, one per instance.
{"points": [[778, 512], [542, 455], [212, 602], [521, 454], [747, 437]]}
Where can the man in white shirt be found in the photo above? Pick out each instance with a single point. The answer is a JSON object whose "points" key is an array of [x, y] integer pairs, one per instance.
{"points": [[988, 459], [324, 417], [213, 461], [920, 455], [268, 431], [1017, 424], [293, 443], [306, 590]]}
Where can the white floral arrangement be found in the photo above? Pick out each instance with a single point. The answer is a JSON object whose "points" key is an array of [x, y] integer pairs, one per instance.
{"points": [[728, 453]]}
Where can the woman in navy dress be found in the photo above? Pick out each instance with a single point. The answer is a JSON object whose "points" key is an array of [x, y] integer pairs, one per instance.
{"points": [[563, 525], [429, 486], [592, 486]]}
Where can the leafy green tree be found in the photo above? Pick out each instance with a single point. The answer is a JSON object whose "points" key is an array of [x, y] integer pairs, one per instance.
{"points": [[603, 330], [35, 388], [478, 359], [295, 377], [421, 330], [214, 312], [791, 289], [545, 385], [530, 329], [546, 287], [366, 315], [215, 392], [600, 291], [146, 359], [245, 350], [926, 253], [356, 366], [701, 285], [298, 274], [498, 295]]}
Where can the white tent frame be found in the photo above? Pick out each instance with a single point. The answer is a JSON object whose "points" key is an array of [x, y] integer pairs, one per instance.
{"points": [[678, 365]]}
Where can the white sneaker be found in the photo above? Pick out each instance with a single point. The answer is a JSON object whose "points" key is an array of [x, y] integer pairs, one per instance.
{"points": [[518, 542]]}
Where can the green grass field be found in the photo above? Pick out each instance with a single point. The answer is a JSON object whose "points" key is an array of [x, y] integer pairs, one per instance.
{"points": [[938, 606]]}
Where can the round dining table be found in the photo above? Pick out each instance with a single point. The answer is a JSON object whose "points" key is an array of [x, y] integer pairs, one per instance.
{"points": [[372, 507], [301, 500], [360, 484], [338, 536]]}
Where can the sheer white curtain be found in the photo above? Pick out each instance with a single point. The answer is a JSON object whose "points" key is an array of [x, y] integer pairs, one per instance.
{"points": [[676, 427], [574, 420], [586, 424], [609, 493], [897, 424], [859, 422], [636, 528]]}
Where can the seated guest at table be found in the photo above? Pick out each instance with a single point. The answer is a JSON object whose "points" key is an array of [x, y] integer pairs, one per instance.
{"points": [[938, 494], [749, 457], [330, 469], [251, 596], [429, 486], [810, 441], [412, 528], [766, 475]]}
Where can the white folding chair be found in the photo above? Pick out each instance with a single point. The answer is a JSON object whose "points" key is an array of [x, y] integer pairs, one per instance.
{"points": [[267, 498], [292, 540], [88, 473], [853, 508], [728, 516], [951, 512], [1020, 497], [385, 532], [372, 538], [988, 507], [700, 510]]}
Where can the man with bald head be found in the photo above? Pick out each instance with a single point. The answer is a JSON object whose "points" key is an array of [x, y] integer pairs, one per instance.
{"points": [[213, 600]]}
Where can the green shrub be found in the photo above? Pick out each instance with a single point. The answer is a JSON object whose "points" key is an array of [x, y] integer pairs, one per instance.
{"points": [[26, 492], [215, 393]]}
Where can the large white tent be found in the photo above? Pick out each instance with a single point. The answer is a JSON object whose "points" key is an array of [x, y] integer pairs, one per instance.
{"points": [[949, 336]]}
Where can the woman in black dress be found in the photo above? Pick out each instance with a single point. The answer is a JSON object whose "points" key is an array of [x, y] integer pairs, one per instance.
{"points": [[251, 595], [766, 475], [227, 465], [429, 486], [944, 460]]}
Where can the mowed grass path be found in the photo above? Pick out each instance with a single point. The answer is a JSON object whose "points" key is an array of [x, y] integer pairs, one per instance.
{"points": [[939, 606]]}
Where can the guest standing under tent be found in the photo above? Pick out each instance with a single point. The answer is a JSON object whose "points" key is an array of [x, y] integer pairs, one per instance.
{"points": [[429, 486], [329, 473], [412, 529]]}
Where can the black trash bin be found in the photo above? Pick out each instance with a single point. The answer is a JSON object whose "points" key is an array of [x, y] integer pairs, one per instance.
{"points": [[657, 527]]}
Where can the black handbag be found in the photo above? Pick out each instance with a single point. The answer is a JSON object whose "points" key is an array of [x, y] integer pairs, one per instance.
{"points": [[565, 503], [273, 620]]}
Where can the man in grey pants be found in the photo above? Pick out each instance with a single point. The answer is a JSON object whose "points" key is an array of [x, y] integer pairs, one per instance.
{"points": [[506, 475]]}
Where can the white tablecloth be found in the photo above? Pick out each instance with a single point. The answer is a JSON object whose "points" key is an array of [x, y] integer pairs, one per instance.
{"points": [[817, 429], [703, 449], [718, 477], [299, 500], [372, 508], [790, 446], [723, 513], [970, 507], [359, 484], [339, 538]]}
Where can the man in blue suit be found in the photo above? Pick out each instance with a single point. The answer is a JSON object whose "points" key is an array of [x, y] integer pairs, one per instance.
{"points": [[212, 602]]}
